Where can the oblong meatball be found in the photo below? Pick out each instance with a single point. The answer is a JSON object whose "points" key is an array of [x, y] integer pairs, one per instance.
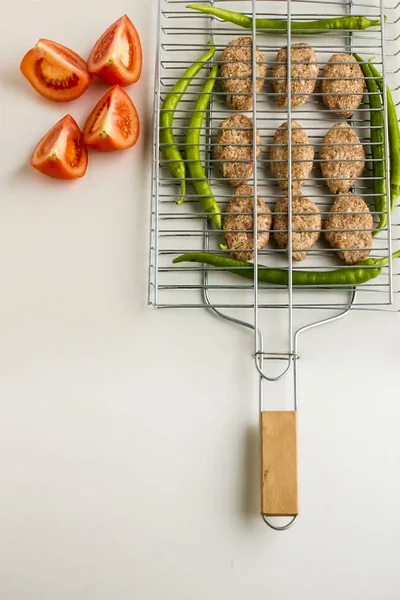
{"points": [[306, 225], [304, 73], [234, 149], [342, 158], [239, 226], [237, 73], [342, 84], [349, 227], [302, 156]]}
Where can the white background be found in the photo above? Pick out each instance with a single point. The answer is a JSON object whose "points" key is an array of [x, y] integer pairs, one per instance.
{"points": [[128, 436]]}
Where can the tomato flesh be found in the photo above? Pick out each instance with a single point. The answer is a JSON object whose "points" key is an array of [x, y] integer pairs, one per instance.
{"points": [[55, 71], [117, 55], [61, 153], [113, 124], [54, 76]]}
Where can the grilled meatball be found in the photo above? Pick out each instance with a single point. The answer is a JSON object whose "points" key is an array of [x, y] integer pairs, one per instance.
{"points": [[347, 235], [306, 227], [304, 73], [239, 228], [234, 149], [237, 73], [302, 156], [342, 85], [342, 158]]}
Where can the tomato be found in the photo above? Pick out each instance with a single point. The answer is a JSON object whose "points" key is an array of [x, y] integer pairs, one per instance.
{"points": [[55, 71], [62, 152], [113, 123], [117, 54]]}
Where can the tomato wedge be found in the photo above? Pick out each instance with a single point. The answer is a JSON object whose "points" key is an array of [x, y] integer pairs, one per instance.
{"points": [[117, 55], [113, 124], [61, 153], [55, 71]]}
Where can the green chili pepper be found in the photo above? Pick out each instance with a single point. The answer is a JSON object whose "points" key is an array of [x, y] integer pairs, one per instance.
{"points": [[197, 175], [321, 25], [394, 138], [377, 145], [365, 271], [168, 147]]}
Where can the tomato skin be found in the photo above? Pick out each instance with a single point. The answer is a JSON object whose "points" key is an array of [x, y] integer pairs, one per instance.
{"points": [[61, 153], [113, 124], [53, 58], [106, 60]]}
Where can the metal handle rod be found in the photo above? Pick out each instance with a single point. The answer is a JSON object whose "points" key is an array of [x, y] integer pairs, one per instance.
{"points": [[387, 157], [257, 354], [259, 361]]}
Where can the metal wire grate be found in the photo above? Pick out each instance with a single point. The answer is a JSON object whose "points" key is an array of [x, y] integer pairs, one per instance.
{"points": [[176, 229], [183, 37]]}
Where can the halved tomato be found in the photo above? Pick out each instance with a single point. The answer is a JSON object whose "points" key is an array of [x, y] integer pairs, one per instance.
{"points": [[117, 54], [55, 71], [113, 124], [61, 153]]}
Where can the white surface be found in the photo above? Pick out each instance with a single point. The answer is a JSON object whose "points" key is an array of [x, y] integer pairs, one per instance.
{"points": [[128, 435]]}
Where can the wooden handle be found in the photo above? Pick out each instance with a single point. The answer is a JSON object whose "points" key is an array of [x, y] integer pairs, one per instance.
{"points": [[279, 463]]}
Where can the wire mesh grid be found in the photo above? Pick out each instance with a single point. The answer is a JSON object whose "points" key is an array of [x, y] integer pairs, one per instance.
{"points": [[183, 37]]}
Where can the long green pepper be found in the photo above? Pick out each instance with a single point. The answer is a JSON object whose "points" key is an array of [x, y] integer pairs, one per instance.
{"points": [[394, 138], [197, 175], [365, 271], [320, 26], [168, 147], [377, 145]]}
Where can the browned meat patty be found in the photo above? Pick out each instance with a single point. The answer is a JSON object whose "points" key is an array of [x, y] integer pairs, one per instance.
{"points": [[234, 149], [304, 73], [237, 73], [342, 85], [342, 158], [239, 227], [350, 232], [302, 156]]}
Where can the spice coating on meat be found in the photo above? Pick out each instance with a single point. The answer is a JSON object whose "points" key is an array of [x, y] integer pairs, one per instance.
{"points": [[302, 156], [234, 149], [304, 73], [237, 73], [306, 227], [342, 84], [239, 227], [348, 230]]}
